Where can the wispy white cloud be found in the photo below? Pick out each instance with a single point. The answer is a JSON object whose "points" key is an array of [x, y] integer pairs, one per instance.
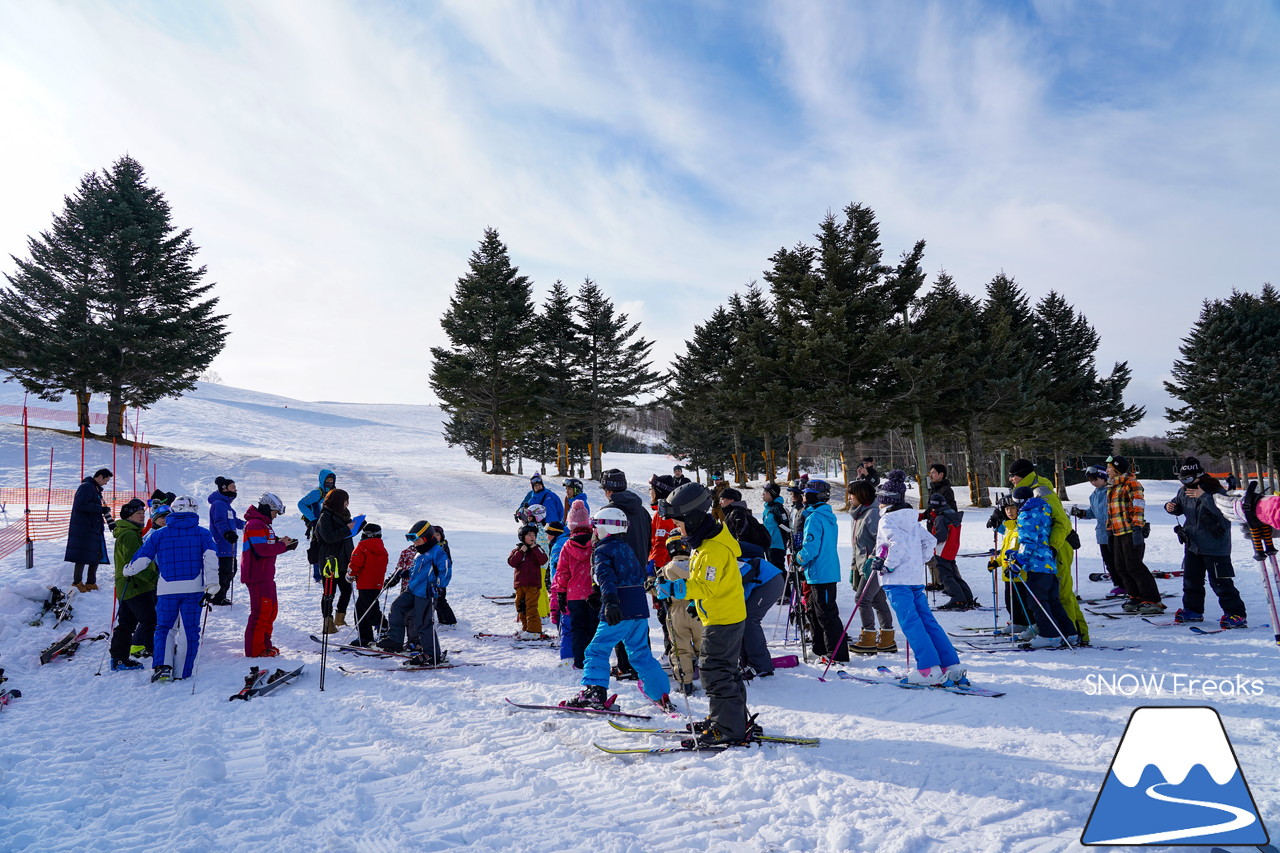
{"points": [[339, 161]]}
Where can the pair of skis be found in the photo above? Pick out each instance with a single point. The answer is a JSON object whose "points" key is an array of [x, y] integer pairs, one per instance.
{"points": [[887, 676], [68, 645], [260, 682], [1161, 575]]}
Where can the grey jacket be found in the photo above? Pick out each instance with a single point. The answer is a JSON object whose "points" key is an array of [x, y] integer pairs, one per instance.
{"points": [[1207, 530]]}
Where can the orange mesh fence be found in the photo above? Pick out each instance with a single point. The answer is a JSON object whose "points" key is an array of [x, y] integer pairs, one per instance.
{"points": [[40, 498], [45, 523], [12, 537], [39, 413]]}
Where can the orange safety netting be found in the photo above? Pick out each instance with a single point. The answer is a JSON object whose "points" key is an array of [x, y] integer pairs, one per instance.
{"points": [[45, 524], [39, 413]]}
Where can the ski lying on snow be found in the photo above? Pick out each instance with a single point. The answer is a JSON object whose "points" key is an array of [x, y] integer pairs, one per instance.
{"points": [[255, 677], [897, 682], [665, 750], [366, 652], [797, 741], [499, 597], [260, 682], [1012, 648], [7, 695], [67, 646], [407, 668], [608, 712], [1198, 630], [1106, 576]]}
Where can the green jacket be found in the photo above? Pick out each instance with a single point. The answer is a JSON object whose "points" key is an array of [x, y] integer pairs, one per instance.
{"points": [[128, 541], [1061, 521]]}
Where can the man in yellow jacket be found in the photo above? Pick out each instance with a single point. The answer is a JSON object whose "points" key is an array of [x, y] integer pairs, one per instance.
{"points": [[1023, 473], [714, 583]]}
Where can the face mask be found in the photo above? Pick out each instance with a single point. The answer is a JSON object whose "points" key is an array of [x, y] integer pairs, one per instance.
{"points": [[422, 549]]}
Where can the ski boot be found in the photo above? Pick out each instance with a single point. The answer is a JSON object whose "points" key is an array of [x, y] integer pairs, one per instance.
{"points": [[1228, 622], [621, 674], [139, 652], [956, 675], [711, 738], [163, 673], [123, 665], [932, 677], [1181, 616], [1042, 643], [1151, 608], [591, 696]]}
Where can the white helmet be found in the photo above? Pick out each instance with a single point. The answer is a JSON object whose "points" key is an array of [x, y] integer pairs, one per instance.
{"points": [[271, 502], [537, 513], [185, 503], [610, 521]]}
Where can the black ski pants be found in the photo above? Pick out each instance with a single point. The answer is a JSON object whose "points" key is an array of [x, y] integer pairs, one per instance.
{"points": [[824, 616], [583, 619], [226, 574], [1135, 577], [1195, 568], [368, 614], [722, 680], [755, 649], [1046, 605], [949, 574]]}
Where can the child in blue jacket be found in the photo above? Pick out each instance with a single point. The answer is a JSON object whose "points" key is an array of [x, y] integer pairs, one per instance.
{"points": [[1036, 557], [430, 575], [821, 563]]}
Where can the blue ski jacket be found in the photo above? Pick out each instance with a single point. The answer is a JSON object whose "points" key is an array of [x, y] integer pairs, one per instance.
{"points": [[549, 501], [1035, 526], [616, 571], [222, 517], [183, 551], [431, 572], [309, 506], [818, 553]]}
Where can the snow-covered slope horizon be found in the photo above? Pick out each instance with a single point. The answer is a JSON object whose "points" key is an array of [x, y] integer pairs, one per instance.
{"points": [[385, 760]]}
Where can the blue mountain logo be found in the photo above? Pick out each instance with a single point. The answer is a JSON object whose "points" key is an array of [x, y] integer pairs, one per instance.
{"points": [[1174, 780]]}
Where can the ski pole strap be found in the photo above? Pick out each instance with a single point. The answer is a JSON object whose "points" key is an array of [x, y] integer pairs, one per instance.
{"points": [[330, 569]]}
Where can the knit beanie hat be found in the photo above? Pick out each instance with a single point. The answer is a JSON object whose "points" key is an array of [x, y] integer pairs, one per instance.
{"points": [[371, 531], [222, 483], [1120, 463], [579, 517], [1021, 467], [613, 480], [1191, 471], [731, 494], [893, 489]]}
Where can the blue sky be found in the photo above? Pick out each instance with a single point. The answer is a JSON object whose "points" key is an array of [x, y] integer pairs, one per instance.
{"points": [[338, 162]]}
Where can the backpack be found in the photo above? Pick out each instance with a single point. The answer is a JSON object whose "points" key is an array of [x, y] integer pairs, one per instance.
{"points": [[753, 531]]}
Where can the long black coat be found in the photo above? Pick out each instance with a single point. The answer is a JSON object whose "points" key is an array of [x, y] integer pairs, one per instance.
{"points": [[332, 538], [86, 541]]}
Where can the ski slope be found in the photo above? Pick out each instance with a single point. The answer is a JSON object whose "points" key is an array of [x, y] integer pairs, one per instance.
{"points": [[390, 761]]}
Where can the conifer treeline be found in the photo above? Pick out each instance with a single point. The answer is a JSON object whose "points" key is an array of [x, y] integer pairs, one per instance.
{"points": [[839, 344], [851, 347], [1228, 379]]}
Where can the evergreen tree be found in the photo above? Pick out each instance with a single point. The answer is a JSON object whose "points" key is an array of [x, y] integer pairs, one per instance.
{"points": [[694, 391], [562, 390], [615, 363], [117, 285], [488, 370], [790, 380]]}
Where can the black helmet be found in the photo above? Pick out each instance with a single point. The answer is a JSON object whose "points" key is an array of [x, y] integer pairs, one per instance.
{"points": [[686, 503], [772, 488], [937, 501], [817, 492], [677, 546], [418, 530], [573, 483]]}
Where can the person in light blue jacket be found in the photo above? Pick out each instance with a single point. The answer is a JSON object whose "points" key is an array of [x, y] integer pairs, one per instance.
{"points": [[1097, 510], [819, 559], [430, 575]]}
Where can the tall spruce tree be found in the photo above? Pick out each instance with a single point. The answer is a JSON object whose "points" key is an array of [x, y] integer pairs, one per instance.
{"points": [[616, 368], [790, 381], [113, 289], [695, 388], [562, 392], [487, 371]]}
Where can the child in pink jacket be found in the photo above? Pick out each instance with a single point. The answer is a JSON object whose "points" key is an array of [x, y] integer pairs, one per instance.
{"points": [[572, 584]]}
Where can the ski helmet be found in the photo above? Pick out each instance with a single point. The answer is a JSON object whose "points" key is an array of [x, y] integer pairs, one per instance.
{"points": [[687, 503], [609, 521], [271, 502], [160, 511], [537, 513], [525, 530], [573, 483], [772, 488], [185, 503], [1096, 472], [1005, 500], [817, 492], [419, 530], [937, 501], [677, 546]]}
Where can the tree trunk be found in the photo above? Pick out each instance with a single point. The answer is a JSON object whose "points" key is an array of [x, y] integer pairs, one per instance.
{"points": [[971, 474], [595, 455], [495, 445], [82, 410], [737, 459], [115, 416], [793, 460], [920, 459], [1060, 473]]}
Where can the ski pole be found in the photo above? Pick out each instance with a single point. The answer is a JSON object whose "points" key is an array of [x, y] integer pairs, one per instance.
{"points": [[1063, 636], [195, 664], [870, 577], [329, 573]]}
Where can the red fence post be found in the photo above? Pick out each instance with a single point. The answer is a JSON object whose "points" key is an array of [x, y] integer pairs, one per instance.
{"points": [[26, 491]]}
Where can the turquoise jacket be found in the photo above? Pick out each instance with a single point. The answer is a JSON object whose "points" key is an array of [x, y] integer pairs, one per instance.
{"points": [[818, 554]]}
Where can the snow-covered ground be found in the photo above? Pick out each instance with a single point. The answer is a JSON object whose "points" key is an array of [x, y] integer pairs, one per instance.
{"points": [[389, 761]]}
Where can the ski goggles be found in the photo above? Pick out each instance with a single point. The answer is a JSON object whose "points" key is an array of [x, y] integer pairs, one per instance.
{"points": [[608, 522]]}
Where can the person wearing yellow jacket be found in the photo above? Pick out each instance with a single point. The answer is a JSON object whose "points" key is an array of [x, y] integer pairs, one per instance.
{"points": [[1023, 473], [712, 581], [1015, 588]]}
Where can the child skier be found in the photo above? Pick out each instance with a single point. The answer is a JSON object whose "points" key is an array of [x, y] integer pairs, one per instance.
{"points": [[1035, 557], [903, 547], [820, 561], [683, 626], [368, 571], [1097, 510], [714, 583], [431, 572], [944, 524], [1206, 537], [624, 617], [527, 559], [572, 584], [258, 572], [1016, 601], [136, 595], [187, 559]]}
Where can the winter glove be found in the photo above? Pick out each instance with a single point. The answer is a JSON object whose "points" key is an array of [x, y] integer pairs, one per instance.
{"points": [[610, 610], [992, 564], [519, 515], [1146, 530], [562, 602], [134, 567], [211, 589], [292, 546], [665, 589], [230, 536], [996, 520], [1180, 532], [797, 542], [650, 569], [307, 526], [111, 525], [106, 511], [876, 564], [1077, 512]]}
